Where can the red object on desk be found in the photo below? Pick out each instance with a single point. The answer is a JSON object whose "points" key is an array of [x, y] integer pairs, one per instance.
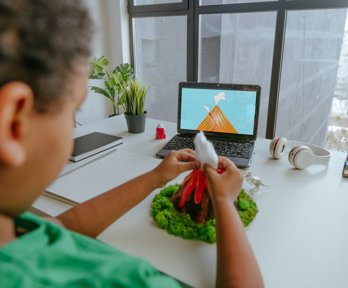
{"points": [[160, 133]]}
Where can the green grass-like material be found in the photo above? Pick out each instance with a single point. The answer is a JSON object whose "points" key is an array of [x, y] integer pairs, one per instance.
{"points": [[181, 224]]}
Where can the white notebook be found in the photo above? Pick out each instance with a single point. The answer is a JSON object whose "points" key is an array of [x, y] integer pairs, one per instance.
{"points": [[93, 143], [99, 176]]}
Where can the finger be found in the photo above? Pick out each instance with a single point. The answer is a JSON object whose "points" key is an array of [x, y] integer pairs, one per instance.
{"points": [[227, 164], [209, 171], [222, 163], [179, 155], [189, 151], [185, 156], [189, 166]]}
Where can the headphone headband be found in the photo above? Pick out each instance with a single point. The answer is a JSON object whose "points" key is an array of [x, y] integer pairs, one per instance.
{"points": [[301, 154], [322, 154]]}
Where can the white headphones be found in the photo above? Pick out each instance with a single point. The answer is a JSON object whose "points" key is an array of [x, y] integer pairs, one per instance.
{"points": [[301, 155]]}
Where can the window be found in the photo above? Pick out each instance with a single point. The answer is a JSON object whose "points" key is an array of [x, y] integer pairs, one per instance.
{"points": [[160, 61], [295, 50], [337, 137], [238, 48], [312, 49]]}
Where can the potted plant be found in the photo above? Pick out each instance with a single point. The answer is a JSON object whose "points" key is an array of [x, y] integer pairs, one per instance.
{"points": [[132, 101], [114, 82]]}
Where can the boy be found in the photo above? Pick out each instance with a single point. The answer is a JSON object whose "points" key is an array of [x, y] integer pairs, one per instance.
{"points": [[44, 49]]}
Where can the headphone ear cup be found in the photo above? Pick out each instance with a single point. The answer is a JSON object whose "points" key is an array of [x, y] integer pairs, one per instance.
{"points": [[277, 146], [300, 157]]}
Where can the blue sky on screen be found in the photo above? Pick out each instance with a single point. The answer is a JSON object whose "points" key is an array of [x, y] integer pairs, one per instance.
{"points": [[238, 107]]}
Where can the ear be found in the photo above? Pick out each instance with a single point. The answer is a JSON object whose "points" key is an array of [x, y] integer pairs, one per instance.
{"points": [[16, 104]]}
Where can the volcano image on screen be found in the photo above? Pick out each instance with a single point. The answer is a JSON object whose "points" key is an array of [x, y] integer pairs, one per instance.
{"points": [[216, 121]]}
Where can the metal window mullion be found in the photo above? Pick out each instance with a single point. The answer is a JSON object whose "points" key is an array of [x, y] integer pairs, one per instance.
{"points": [[239, 8], [195, 47], [156, 7], [190, 43], [131, 41], [158, 14], [276, 73], [272, 6], [315, 4]]}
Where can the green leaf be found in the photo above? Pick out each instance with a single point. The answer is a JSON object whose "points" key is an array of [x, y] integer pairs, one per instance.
{"points": [[96, 67], [110, 89], [100, 91], [122, 74], [134, 95], [125, 70], [115, 83]]}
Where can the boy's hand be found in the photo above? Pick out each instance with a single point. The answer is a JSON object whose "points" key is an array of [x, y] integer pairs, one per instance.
{"points": [[175, 163], [228, 183]]}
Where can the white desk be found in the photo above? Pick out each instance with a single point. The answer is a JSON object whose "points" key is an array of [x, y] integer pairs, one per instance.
{"points": [[300, 235]]}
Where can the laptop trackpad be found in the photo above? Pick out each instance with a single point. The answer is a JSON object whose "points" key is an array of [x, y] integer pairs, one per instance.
{"points": [[240, 162]]}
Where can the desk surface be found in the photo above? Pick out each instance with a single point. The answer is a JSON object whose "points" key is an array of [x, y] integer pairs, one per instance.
{"points": [[299, 236]]}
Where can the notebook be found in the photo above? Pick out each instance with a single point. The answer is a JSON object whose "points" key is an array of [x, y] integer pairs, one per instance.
{"points": [[93, 143], [99, 176], [227, 113]]}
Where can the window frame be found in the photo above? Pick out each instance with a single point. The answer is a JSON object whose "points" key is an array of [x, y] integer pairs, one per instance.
{"points": [[193, 11]]}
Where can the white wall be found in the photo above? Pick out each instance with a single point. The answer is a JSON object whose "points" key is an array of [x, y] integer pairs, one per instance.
{"points": [[112, 40]]}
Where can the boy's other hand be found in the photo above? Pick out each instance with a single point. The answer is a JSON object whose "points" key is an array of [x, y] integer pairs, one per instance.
{"points": [[225, 185], [175, 163]]}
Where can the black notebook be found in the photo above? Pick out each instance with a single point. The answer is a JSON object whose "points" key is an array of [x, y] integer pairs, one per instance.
{"points": [[93, 143]]}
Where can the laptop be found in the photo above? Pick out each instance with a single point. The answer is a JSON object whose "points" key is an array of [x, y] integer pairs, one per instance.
{"points": [[227, 113]]}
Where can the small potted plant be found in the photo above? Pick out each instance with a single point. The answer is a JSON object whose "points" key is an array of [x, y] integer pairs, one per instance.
{"points": [[114, 82], [133, 101]]}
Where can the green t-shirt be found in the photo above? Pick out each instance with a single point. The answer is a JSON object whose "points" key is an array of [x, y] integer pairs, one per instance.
{"points": [[51, 256]]}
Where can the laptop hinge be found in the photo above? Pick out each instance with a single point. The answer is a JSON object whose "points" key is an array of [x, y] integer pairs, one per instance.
{"points": [[229, 139], [220, 138]]}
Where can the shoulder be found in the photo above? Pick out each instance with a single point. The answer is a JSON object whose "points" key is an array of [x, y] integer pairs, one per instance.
{"points": [[53, 220], [44, 216]]}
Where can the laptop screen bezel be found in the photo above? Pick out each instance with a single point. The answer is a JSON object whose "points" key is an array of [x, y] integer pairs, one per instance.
{"points": [[222, 86]]}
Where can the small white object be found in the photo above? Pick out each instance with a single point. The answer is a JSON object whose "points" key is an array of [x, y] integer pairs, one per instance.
{"points": [[220, 96], [205, 151], [206, 108], [255, 181]]}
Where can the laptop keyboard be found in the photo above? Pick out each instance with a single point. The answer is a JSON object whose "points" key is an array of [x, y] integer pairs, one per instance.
{"points": [[222, 148]]}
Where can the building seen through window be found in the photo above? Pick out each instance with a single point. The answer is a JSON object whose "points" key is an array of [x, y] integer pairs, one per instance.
{"points": [[238, 48]]}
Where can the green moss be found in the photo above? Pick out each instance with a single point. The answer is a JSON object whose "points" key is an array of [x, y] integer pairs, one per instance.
{"points": [[180, 224]]}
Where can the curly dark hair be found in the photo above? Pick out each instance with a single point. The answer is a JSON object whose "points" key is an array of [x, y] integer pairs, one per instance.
{"points": [[41, 41]]}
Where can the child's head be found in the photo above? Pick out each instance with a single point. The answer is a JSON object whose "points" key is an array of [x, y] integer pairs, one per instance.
{"points": [[44, 49]]}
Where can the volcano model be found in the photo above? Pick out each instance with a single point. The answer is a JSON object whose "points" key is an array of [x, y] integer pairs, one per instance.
{"points": [[193, 197], [216, 121]]}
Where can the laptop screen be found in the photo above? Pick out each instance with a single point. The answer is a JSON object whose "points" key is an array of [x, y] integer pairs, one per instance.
{"points": [[219, 109]]}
